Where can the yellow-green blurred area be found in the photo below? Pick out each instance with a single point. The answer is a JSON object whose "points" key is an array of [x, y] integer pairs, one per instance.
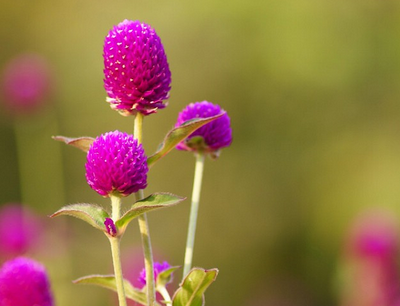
{"points": [[312, 90]]}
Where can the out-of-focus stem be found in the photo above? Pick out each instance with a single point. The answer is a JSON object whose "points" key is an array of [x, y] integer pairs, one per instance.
{"points": [[165, 294], [194, 208]]}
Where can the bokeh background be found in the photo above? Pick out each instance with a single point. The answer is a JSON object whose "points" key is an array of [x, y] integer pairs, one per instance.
{"points": [[312, 89]]}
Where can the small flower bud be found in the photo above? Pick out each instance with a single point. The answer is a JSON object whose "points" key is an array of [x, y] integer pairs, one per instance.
{"points": [[110, 227]]}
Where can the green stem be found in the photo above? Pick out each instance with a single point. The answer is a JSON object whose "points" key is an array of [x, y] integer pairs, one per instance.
{"points": [[119, 279], [115, 251], [165, 294], [194, 208], [116, 207], [144, 227], [138, 127]]}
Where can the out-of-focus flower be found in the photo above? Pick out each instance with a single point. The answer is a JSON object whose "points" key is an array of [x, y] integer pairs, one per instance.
{"points": [[215, 135], [158, 268], [27, 81], [116, 164], [136, 72], [24, 282], [370, 259], [20, 230], [132, 265]]}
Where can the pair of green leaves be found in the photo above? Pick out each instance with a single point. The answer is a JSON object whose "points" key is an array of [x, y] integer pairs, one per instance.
{"points": [[95, 215], [173, 137], [190, 291]]}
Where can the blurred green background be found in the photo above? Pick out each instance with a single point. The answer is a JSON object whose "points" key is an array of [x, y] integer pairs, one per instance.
{"points": [[312, 89]]}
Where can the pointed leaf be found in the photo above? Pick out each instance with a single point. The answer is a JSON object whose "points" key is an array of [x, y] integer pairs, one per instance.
{"points": [[82, 143], [191, 291], [108, 281], [93, 214], [176, 135], [165, 277], [152, 202]]}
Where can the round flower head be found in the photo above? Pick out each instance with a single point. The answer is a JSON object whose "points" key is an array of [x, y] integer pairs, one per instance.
{"points": [[19, 230], [24, 282], [136, 72], [214, 135], [116, 164], [26, 83], [158, 268]]}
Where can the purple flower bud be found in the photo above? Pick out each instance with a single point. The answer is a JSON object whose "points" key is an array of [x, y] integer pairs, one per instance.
{"points": [[158, 268], [110, 227], [136, 72], [24, 282], [26, 83], [215, 135], [116, 164]]}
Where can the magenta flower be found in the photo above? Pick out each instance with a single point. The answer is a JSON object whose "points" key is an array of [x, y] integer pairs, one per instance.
{"points": [[158, 268], [20, 230], [116, 164], [26, 83], [136, 72], [371, 253], [216, 134], [24, 282]]}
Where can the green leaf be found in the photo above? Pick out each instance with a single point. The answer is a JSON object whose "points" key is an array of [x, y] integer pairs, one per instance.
{"points": [[108, 281], [152, 202], [176, 135], [93, 214], [165, 277], [191, 290], [82, 143]]}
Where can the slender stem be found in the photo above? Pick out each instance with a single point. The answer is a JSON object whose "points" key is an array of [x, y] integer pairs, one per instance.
{"points": [[119, 279], [144, 227], [138, 127], [116, 207], [194, 208], [165, 294], [115, 251]]}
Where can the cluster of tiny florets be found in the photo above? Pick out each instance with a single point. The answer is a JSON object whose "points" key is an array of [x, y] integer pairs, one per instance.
{"points": [[136, 72], [216, 134], [158, 268], [24, 282], [116, 164]]}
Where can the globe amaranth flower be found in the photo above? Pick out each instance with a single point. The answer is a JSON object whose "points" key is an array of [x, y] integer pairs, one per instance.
{"points": [[26, 83], [158, 268], [20, 230], [136, 72], [214, 135], [24, 282], [116, 165], [370, 259]]}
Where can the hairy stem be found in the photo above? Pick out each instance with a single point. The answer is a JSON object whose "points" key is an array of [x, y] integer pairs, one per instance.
{"points": [[115, 251]]}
